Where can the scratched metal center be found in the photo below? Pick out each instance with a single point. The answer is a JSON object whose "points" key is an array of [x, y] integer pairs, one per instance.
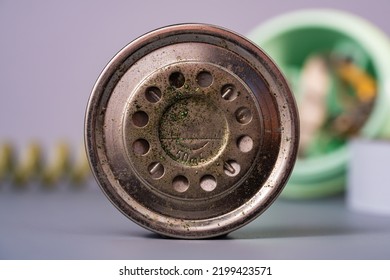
{"points": [[191, 131], [184, 135]]}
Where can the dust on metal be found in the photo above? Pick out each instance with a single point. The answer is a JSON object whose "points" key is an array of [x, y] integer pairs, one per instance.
{"points": [[191, 131]]}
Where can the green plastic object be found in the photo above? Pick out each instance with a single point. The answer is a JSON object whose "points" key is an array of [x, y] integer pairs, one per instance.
{"points": [[289, 40]]}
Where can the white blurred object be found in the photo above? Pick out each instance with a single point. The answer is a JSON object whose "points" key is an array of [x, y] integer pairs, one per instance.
{"points": [[368, 181], [314, 87]]}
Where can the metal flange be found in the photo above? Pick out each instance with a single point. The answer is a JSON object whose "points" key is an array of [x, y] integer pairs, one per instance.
{"points": [[191, 131]]}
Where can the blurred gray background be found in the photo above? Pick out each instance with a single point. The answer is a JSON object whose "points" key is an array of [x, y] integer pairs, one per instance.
{"points": [[51, 54], [53, 51]]}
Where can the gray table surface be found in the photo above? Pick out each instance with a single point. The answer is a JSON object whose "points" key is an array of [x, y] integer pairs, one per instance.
{"points": [[83, 224]]}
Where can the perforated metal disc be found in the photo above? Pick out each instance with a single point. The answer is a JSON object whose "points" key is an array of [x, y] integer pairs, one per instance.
{"points": [[191, 131]]}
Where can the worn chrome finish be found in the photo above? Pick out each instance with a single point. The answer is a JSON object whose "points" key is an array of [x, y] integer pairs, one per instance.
{"points": [[191, 131]]}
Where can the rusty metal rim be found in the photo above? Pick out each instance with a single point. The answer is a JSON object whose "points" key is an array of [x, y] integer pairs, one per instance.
{"points": [[249, 210]]}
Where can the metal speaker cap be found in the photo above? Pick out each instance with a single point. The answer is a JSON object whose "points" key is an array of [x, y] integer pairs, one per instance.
{"points": [[191, 131]]}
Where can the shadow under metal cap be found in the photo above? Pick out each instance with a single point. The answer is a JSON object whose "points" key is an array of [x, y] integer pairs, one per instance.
{"points": [[191, 131]]}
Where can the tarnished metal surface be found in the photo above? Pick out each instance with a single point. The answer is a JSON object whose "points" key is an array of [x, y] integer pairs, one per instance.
{"points": [[191, 131]]}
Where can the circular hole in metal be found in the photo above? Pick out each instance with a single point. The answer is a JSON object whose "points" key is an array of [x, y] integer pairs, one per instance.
{"points": [[243, 115], [153, 94], [245, 143], [204, 79], [141, 147], [208, 183], [176, 79], [231, 168], [140, 119], [156, 170], [180, 183], [229, 92]]}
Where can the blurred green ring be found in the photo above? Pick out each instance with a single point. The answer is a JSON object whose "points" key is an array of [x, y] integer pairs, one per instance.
{"points": [[325, 175]]}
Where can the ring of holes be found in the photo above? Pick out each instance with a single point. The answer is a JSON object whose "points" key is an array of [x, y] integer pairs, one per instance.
{"points": [[208, 182]]}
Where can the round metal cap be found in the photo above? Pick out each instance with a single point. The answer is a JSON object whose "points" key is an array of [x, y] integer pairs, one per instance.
{"points": [[191, 131]]}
